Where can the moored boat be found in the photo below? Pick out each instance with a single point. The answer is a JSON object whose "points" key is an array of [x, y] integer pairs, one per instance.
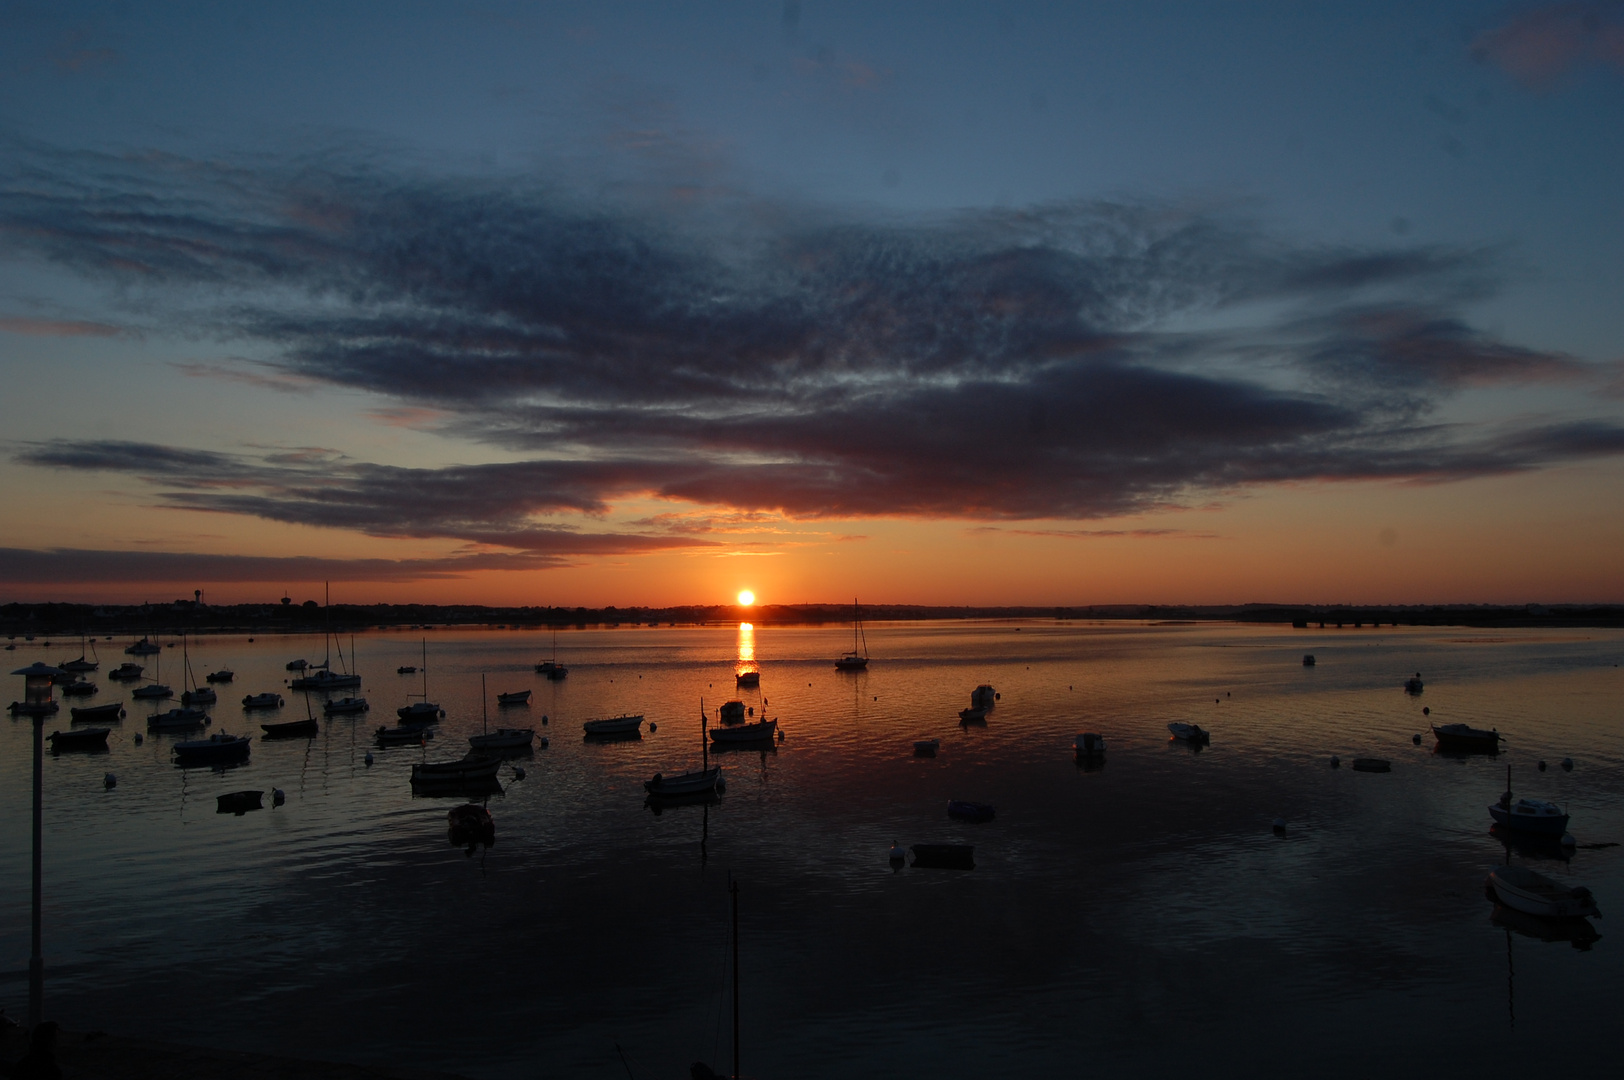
{"points": [[615, 725], [324, 678], [144, 647], [126, 671], [402, 736], [962, 810], [857, 659], [177, 719], [223, 675], [1413, 685], [1524, 890], [747, 678], [202, 695], [926, 747], [93, 738], [473, 767], [983, 696], [152, 691], [513, 697], [266, 700], [78, 688], [297, 665], [218, 747], [1528, 815], [419, 713], [688, 783], [974, 714], [760, 731], [1462, 737], [345, 706], [503, 739], [1089, 745], [292, 729], [113, 710], [238, 802], [1190, 733]]}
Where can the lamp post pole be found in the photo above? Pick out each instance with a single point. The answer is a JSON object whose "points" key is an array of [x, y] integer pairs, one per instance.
{"points": [[36, 962], [37, 704]]}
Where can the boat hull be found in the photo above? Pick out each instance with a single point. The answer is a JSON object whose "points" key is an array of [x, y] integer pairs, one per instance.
{"points": [[761, 731], [83, 739], [1535, 894], [1463, 739], [291, 729], [468, 770], [690, 783], [112, 711], [503, 739], [619, 725], [944, 856]]}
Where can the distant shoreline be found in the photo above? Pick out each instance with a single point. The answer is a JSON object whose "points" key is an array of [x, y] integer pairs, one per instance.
{"points": [[70, 620]]}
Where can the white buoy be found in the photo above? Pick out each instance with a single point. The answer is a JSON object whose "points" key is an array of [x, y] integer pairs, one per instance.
{"points": [[368, 758], [1567, 840], [518, 773], [139, 738], [278, 796], [1336, 762], [898, 852], [109, 781]]}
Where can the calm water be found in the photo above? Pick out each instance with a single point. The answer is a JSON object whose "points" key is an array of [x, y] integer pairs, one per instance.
{"points": [[1141, 918]]}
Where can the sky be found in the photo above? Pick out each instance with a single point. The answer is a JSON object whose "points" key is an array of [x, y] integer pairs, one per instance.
{"points": [[644, 304]]}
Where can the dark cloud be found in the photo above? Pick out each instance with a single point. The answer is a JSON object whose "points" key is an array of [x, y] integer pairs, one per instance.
{"points": [[1066, 361], [75, 566]]}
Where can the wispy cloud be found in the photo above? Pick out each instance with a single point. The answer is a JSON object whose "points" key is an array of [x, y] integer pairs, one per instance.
{"points": [[1045, 363], [1539, 46], [17, 324]]}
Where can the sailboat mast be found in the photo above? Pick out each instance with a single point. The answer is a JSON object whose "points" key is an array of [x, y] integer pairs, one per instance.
{"points": [[484, 718]]}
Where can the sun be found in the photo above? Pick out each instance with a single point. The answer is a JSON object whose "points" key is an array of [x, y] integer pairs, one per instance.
{"points": [[746, 598]]}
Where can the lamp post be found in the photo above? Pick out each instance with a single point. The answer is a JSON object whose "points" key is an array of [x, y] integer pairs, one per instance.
{"points": [[37, 703]]}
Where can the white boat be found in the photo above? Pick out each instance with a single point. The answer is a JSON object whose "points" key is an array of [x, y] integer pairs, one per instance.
{"points": [[345, 706], [857, 659], [297, 665], [1522, 889], [552, 668], [760, 731], [503, 739], [617, 725], [144, 647], [126, 670], [155, 691], [262, 701], [1528, 815]]}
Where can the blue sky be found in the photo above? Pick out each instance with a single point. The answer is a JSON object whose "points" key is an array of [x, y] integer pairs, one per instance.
{"points": [[710, 281]]}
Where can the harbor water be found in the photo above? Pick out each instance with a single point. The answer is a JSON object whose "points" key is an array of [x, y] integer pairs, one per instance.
{"points": [[1138, 915]]}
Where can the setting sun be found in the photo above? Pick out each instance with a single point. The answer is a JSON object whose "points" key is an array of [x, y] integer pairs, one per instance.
{"points": [[746, 598]]}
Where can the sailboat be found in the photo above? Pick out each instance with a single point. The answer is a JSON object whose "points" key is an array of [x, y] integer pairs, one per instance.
{"points": [[154, 690], [322, 676], [425, 711], [702, 781], [144, 647], [857, 659], [82, 664], [552, 668], [191, 693], [501, 738]]}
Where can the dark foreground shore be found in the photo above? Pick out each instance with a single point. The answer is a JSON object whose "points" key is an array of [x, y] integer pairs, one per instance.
{"points": [[101, 1056]]}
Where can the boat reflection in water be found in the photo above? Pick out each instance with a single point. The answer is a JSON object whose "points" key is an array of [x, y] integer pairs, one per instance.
{"points": [[1578, 932]]}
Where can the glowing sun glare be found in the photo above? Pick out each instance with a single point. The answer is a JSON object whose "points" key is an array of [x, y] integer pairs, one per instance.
{"points": [[746, 598]]}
